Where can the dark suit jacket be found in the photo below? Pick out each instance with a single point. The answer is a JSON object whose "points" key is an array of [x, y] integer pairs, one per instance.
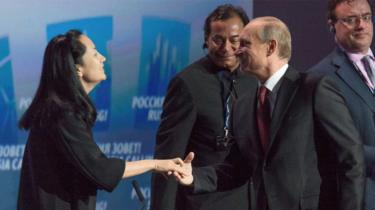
{"points": [[361, 104], [309, 114], [192, 118], [63, 167]]}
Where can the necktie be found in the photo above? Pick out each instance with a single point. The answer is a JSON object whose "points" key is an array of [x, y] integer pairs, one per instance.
{"points": [[370, 70], [263, 117]]}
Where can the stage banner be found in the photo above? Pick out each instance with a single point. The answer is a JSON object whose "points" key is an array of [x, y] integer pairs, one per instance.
{"points": [[145, 43]]}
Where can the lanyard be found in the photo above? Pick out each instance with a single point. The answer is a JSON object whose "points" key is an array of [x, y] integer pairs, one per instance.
{"points": [[228, 95]]}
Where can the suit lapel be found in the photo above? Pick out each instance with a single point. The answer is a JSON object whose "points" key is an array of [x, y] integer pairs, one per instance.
{"points": [[287, 90], [352, 79]]}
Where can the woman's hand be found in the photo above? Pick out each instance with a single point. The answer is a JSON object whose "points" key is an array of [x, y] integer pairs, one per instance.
{"points": [[180, 169]]}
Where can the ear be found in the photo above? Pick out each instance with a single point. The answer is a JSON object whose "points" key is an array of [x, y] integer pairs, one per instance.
{"points": [[79, 70], [272, 46], [331, 26], [205, 44]]}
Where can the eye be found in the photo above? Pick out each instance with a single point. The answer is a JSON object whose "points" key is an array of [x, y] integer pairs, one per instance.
{"points": [[235, 40], [367, 17], [218, 40], [350, 20]]}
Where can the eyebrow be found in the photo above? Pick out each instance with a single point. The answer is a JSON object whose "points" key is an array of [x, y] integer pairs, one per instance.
{"points": [[367, 13]]}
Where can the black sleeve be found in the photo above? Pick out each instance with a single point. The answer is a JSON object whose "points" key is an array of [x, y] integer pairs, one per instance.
{"points": [[76, 143], [336, 123], [234, 171], [177, 121]]}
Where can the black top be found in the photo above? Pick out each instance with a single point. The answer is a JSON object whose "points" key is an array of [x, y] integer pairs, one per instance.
{"points": [[192, 120], [63, 168]]}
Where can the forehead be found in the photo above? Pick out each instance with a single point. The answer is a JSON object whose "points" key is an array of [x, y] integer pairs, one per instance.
{"points": [[249, 32], [85, 40], [233, 24], [354, 7]]}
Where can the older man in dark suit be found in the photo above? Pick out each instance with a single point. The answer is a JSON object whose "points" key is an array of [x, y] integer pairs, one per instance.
{"points": [[350, 65], [292, 120]]}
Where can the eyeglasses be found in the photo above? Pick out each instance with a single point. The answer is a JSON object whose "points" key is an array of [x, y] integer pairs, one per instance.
{"points": [[352, 20]]}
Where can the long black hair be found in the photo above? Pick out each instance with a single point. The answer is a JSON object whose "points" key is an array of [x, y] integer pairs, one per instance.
{"points": [[60, 89]]}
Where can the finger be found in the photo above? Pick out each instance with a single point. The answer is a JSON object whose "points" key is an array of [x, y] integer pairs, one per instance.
{"points": [[177, 175], [189, 158]]}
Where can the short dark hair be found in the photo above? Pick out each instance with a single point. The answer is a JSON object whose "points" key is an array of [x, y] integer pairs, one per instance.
{"points": [[60, 89], [332, 4], [223, 12]]}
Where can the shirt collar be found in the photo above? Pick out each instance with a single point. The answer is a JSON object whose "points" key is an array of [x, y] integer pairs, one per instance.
{"points": [[274, 79], [356, 57]]}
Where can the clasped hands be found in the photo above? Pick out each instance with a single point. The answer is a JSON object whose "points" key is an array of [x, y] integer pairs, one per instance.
{"points": [[180, 169]]}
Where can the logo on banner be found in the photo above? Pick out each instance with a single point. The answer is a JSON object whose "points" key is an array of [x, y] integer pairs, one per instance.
{"points": [[8, 116], [165, 51], [99, 29]]}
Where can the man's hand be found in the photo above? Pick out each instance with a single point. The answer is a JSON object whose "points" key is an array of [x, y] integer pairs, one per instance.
{"points": [[186, 177]]}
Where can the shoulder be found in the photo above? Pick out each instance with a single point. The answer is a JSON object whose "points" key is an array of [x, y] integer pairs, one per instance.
{"points": [[199, 69], [321, 84], [71, 121], [330, 62]]}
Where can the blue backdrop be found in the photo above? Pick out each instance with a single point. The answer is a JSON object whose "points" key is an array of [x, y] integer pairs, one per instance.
{"points": [[145, 43]]}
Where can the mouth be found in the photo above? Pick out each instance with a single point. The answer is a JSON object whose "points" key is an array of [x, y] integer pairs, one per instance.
{"points": [[360, 34], [225, 58]]}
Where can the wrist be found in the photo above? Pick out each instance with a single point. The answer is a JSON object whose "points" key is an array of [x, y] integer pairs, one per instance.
{"points": [[154, 165]]}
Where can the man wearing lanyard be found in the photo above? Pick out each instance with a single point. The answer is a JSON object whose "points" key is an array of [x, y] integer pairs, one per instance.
{"points": [[197, 115], [351, 66]]}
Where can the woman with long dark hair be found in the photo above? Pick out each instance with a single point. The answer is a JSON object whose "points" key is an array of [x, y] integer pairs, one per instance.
{"points": [[62, 165]]}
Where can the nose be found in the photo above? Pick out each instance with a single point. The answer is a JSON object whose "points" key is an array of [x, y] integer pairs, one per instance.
{"points": [[103, 58], [228, 46], [360, 22]]}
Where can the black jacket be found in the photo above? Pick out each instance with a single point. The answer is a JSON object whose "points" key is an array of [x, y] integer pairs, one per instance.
{"points": [[63, 168], [310, 118], [192, 118]]}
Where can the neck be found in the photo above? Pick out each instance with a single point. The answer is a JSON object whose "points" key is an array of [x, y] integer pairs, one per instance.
{"points": [[271, 69], [87, 86]]}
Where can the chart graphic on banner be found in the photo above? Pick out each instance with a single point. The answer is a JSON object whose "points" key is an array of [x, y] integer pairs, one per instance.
{"points": [[164, 51], [8, 116]]}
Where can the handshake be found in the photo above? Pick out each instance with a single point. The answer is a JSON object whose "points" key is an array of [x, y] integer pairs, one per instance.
{"points": [[180, 169]]}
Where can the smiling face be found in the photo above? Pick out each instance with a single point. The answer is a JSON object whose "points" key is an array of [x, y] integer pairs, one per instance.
{"points": [[91, 71], [253, 53], [223, 41], [355, 37]]}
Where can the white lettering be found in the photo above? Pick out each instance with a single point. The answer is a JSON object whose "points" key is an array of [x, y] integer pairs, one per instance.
{"points": [[126, 148], [147, 102], [12, 150], [24, 103], [146, 192], [4, 164], [105, 147], [102, 115], [154, 115], [16, 164]]}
